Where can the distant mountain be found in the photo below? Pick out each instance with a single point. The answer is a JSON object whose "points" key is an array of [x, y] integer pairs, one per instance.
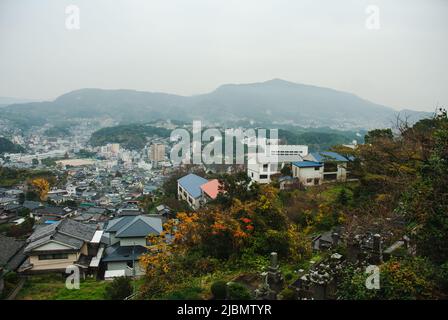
{"points": [[5, 101], [274, 101]]}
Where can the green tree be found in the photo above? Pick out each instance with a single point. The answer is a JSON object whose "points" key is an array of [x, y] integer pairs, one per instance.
{"points": [[378, 134], [119, 289]]}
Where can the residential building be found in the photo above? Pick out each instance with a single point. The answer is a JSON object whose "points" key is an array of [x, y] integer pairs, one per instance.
{"points": [[128, 238], [321, 167], [54, 247], [189, 189], [334, 165], [309, 173]]}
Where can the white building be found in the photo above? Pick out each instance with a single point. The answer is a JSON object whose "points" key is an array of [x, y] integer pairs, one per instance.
{"points": [[261, 166], [189, 189], [309, 173], [320, 167]]}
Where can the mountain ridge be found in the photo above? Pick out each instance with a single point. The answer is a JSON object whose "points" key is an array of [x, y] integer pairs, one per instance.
{"points": [[274, 100]]}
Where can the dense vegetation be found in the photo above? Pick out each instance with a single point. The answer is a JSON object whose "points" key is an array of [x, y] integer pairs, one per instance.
{"points": [[401, 190], [319, 138], [129, 136], [57, 132], [11, 176], [7, 146]]}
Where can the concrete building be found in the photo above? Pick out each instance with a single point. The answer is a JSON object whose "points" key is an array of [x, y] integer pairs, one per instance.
{"points": [[334, 165], [157, 152], [262, 166], [189, 189], [309, 173], [320, 167]]}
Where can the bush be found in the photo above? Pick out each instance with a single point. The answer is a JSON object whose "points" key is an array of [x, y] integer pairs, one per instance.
{"points": [[219, 290], [11, 277], [119, 289], [192, 293], [288, 294], [238, 291], [289, 276]]}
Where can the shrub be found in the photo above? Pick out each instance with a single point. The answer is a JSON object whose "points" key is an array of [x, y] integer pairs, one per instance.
{"points": [[192, 293], [238, 291], [119, 289], [288, 294], [289, 276], [219, 290], [11, 277]]}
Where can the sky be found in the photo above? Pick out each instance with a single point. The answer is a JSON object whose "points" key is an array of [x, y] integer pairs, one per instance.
{"points": [[396, 58]]}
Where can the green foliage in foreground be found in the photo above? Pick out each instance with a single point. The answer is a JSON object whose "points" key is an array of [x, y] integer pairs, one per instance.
{"points": [[118, 289]]}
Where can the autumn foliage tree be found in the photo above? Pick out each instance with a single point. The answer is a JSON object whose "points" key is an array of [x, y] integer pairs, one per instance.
{"points": [[42, 186], [200, 242]]}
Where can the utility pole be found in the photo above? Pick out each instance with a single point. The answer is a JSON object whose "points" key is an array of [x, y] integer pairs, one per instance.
{"points": [[133, 268]]}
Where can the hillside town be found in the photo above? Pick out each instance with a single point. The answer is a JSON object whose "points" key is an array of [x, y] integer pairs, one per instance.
{"points": [[101, 210]]}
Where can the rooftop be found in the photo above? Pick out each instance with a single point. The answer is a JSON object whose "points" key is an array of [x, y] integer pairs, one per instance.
{"points": [[307, 164], [192, 184], [211, 188]]}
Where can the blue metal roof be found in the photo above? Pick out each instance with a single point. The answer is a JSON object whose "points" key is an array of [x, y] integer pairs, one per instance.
{"points": [[328, 156], [307, 164], [192, 184]]}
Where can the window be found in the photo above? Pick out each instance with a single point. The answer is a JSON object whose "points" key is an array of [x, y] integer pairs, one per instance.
{"points": [[331, 176], [129, 264], [309, 180], [316, 168], [330, 167], [53, 256], [263, 176]]}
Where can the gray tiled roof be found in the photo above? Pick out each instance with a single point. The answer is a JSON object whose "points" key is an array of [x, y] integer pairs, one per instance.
{"points": [[117, 253], [9, 247], [138, 226], [67, 231]]}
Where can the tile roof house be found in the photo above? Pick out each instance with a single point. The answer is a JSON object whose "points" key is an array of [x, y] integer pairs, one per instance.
{"points": [[55, 246], [127, 242], [11, 253], [31, 205]]}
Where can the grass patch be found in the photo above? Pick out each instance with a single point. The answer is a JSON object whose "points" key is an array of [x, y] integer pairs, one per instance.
{"points": [[52, 287]]}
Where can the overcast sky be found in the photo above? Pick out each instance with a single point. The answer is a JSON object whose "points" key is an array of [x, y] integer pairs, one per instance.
{"points": [[193, 46]]}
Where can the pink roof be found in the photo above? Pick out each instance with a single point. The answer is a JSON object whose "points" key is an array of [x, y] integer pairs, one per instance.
{"points": [[211, 188]]}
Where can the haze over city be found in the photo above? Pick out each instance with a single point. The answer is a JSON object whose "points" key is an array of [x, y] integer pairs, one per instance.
{"points": [[193, 47]]}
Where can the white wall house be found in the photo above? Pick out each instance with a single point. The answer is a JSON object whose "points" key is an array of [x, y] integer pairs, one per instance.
{"points": [[335, 165], [320, 167], [309, 173]]}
